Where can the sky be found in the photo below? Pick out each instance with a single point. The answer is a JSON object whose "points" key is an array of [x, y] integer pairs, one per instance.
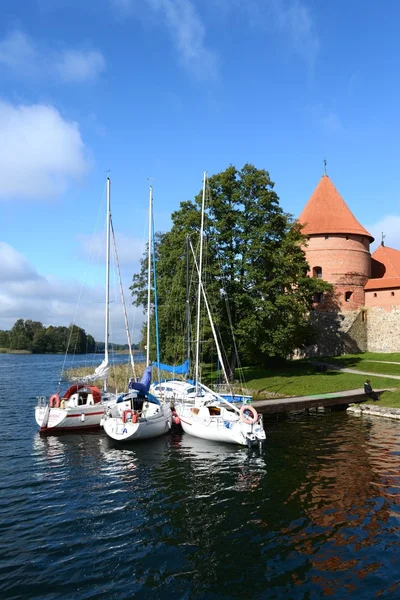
{"points": [[167, 89]]}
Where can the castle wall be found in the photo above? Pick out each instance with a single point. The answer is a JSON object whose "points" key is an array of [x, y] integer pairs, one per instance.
{"points": [[383, 328], [346, 264], [386, 299]]}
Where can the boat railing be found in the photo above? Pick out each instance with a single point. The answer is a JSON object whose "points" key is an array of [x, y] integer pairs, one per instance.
{"points": [[41, 400], [223, 388]]}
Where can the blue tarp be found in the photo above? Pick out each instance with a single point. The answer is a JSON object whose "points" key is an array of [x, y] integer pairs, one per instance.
{"points": [[177, 369], [144, 384]]}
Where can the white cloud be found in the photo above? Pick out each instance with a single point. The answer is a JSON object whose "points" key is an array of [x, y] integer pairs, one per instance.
{"points": [[186, 30], [77, 65], [14, 266], [389, 225], [26, 294], [23, 57], [40, 152], [289, 18]]}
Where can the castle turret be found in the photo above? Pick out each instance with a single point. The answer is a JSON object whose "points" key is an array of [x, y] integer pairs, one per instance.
{"points": [[337, 247]]}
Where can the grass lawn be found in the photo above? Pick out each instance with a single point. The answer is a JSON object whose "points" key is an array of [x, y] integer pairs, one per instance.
{"points": [[299, 378]]}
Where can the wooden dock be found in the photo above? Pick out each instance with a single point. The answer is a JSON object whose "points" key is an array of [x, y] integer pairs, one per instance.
{"points": [[283, 405]]}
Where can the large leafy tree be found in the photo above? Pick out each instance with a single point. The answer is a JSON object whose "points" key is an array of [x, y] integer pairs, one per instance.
{"points": [[255, 271]]}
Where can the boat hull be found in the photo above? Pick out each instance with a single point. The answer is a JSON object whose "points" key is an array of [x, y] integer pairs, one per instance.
{"points": [[226, 427], [145, 428], [69, 419]]}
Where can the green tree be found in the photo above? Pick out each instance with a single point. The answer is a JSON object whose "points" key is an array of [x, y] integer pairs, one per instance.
{"points": [[254, 271], [4, 339], [78, 340]]}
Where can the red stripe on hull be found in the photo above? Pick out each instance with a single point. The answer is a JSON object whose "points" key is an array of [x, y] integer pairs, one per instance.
{"points": [[86, 414], [78, 428]]}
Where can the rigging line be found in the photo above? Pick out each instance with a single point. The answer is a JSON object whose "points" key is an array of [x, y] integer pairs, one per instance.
{"points": [[123, 300], [83, 283], [224, 282], [210, 318]]}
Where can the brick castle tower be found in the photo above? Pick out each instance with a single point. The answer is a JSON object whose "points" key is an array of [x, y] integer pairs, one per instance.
{"points": [[337, 248]]}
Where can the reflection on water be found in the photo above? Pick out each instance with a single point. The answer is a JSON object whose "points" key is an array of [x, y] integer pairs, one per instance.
{"points": [[313, 514]]}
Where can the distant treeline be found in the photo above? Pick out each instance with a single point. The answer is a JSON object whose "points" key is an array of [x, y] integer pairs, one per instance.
{"points": [[33, 337]]}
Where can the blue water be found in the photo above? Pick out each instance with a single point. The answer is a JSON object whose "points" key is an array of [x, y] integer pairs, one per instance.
{"points": [[315, 514]]}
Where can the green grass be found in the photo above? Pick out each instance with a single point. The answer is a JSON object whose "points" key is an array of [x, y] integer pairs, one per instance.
{"points": [[8, 351], [299, 378], [295, 378]]}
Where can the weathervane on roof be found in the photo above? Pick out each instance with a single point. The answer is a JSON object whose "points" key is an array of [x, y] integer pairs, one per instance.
{"points": [[324, 166], [383, 237]]}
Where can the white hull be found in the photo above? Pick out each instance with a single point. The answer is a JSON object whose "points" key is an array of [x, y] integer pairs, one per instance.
{"points": [[151, 426], [225, 427], [82, 417]]}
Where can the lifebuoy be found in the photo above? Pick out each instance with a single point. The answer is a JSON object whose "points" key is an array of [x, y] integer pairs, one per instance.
{"points": [[55, 401], [245, 409], [134, 416]]}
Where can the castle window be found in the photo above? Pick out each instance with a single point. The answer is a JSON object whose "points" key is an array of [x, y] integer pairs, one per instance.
{"points": [[348, 296], [327, 237], [318, 297], [317, 272], [347, 237], [375, 294], [392, 293]]}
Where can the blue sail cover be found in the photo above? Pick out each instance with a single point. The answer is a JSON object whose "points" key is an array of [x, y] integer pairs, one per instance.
{"points": [[144, 384], [177, 369]]}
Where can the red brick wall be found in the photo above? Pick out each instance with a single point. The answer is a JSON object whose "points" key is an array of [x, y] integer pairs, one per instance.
{"points": [[346, 264], [386, 299]]}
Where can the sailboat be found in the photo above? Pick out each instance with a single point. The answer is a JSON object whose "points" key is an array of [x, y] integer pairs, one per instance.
{"points": [[139, 414], [82, 406], [202, 412]]}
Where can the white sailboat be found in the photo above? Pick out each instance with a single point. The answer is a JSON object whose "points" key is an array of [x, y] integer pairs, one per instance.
{"points": [[202, 412], [139, 414], [82, 406]]}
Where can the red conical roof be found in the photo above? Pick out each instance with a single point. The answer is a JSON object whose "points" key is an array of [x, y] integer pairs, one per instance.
{"points": [[385, 262], [327, 212]]}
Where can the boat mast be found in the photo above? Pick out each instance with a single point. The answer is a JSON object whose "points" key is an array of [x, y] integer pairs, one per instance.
{"points": [[153, 244], [149, 277], [187, 301], [199, 288], [107, 317]]}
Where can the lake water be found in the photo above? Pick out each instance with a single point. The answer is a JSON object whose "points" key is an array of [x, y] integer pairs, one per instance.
{"points": [[314, 514]]}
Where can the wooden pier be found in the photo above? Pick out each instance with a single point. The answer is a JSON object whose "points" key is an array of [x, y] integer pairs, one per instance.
{"points": [[283, 405]]}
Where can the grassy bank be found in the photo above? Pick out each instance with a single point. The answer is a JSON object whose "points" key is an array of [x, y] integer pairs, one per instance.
{"points": [[296, 378], [300, 378], [8, 351]]}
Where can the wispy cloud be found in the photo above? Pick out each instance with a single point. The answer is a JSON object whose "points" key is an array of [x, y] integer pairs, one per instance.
{"points": [[26, 294], [40, 152], [291, 19], [20, 55], [186, 29]]}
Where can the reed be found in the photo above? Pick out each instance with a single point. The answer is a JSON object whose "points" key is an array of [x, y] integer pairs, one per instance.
{"points": [[118, 376]]}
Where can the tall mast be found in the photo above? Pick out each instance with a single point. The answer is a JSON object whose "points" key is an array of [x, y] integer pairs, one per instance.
{"points": [[149, 276], [187, 301], [153, 244], [107, 317], [199, 288]]}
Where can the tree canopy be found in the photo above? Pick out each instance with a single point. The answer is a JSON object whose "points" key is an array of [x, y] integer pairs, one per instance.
{"points": [[255, 272], [33, 337]]}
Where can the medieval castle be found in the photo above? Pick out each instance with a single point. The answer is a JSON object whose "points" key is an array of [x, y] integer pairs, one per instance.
{"points": [[363, 312]]}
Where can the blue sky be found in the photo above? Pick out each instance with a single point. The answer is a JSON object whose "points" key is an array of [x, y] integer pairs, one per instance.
{"points": [[167, 89]]}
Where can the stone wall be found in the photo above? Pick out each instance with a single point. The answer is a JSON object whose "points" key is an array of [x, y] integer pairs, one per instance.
{"points": [[373, 329], [337, 333], [383, 329]]}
